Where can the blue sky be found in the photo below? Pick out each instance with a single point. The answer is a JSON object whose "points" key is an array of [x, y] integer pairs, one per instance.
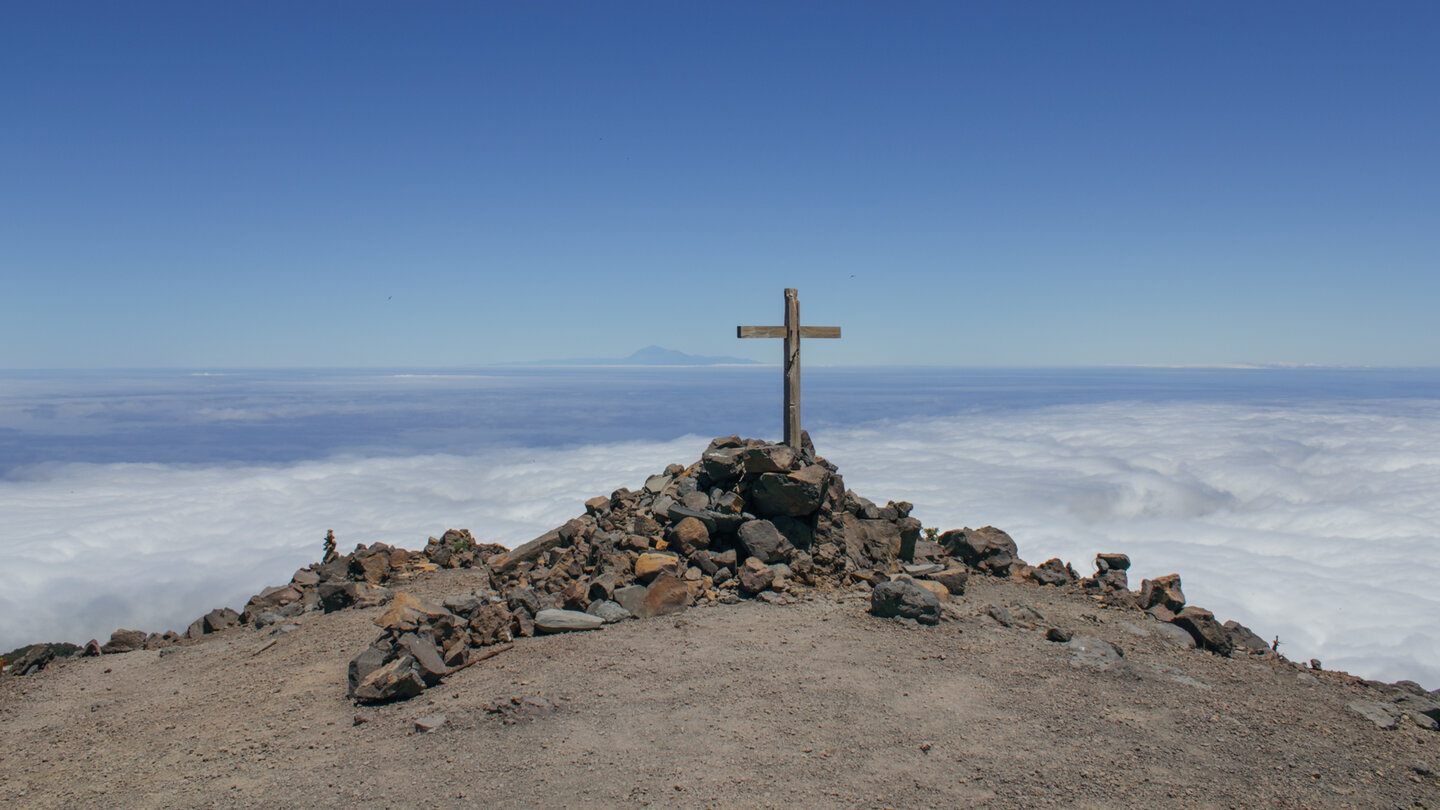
{"points": [[362, 184]]}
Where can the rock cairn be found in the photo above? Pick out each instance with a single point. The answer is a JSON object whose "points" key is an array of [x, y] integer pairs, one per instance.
{"points": [[749, 520]]}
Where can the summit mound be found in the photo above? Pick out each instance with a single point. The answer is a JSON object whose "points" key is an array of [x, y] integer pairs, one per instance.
{"points": [[800, 645]]}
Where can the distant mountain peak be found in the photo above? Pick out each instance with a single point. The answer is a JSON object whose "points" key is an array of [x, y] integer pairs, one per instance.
{"points": [[648, 356]]}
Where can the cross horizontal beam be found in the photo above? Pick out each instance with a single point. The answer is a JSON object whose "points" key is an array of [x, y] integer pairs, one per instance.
{"points": [[779, 331]]}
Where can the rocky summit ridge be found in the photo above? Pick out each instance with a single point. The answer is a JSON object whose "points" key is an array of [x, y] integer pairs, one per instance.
{"points": [[750, 520], [852, 659]]}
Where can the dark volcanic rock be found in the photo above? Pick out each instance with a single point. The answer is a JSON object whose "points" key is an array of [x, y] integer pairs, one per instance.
{"points": [[791, 494], [762, 540], [1053, 572], [124, 641], [987, 549], [1162, 591], [1112, 562], [954, 579], [396, 680], [905, 599], [1208, 633], [755, 576]]}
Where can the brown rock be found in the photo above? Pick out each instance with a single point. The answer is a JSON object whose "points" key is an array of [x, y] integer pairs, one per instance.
{"points": [[954, 579], [666, 594], [1162, 591], [755, 576], [651, 564], [687, 536], [396, 680], [490, 624], [575, 596], [987, 549], [1208, 633], [941, 592], [124, 641]]}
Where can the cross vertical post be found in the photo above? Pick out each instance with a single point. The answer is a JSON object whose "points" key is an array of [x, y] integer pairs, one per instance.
{"points": [[792, 332]]}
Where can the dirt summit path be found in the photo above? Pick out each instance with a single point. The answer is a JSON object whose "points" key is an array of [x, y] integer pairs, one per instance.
{"points": [[811, 704]]}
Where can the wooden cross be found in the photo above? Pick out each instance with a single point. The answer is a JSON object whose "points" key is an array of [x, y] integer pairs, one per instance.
{"points": [[792, 331]]}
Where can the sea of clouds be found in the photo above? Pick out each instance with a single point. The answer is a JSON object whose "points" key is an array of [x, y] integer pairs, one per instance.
{"points": [[1316, 522]]}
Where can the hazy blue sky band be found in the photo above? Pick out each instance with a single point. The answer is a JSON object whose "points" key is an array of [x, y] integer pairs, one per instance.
{"points": [[208, 185]]}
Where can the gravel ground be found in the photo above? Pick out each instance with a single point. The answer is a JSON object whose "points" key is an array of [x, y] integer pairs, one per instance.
{"points": [[814, 704]]}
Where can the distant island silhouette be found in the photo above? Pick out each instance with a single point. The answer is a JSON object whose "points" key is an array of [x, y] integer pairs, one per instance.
{"points": [[648, 356]]}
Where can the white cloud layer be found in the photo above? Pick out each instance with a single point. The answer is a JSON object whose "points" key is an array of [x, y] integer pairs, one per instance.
{"points": [[1318, 525]]}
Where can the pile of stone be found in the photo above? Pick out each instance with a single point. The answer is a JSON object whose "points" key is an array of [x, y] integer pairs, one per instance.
{"points": [[750, 519], [358, 579]]}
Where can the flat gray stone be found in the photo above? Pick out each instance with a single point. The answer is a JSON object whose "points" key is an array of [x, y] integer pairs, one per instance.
{"points": [[631, 597], [922, 570], [609, 612], [1088, 652], [563, 621], [1175, 635], [1381, 714], [430, 722]]}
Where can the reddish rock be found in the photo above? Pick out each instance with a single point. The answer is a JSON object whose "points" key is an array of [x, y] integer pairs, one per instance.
{"points": [[666, 594], [1162, 591], [688, 536], [1208, 633]]}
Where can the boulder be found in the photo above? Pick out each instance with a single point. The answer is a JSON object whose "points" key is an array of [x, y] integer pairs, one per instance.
{"points": [[760, 539], [1052, 572], [527, 552], [792, 494], [631, 597], [396, 680], [337, 595], [33, 660], [987, 549], [1088, 652], [904, 598], [428, 663], [609, 612], [941, 592], [1208, 633], [651, 564], [768, 458], [688, 536], [220, 619], [1243, 638], [564, 621], [667, 594], [1112, 562], [491, 624], [721, 466], [1383, 715], [954, 579], [1113, 579], [1162, 591], [122, 641], [755, 576], [371, 659], [871, 543], [409, 612]]}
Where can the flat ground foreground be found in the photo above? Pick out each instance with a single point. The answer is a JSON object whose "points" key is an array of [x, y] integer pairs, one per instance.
{"points": [[816, 704]]}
